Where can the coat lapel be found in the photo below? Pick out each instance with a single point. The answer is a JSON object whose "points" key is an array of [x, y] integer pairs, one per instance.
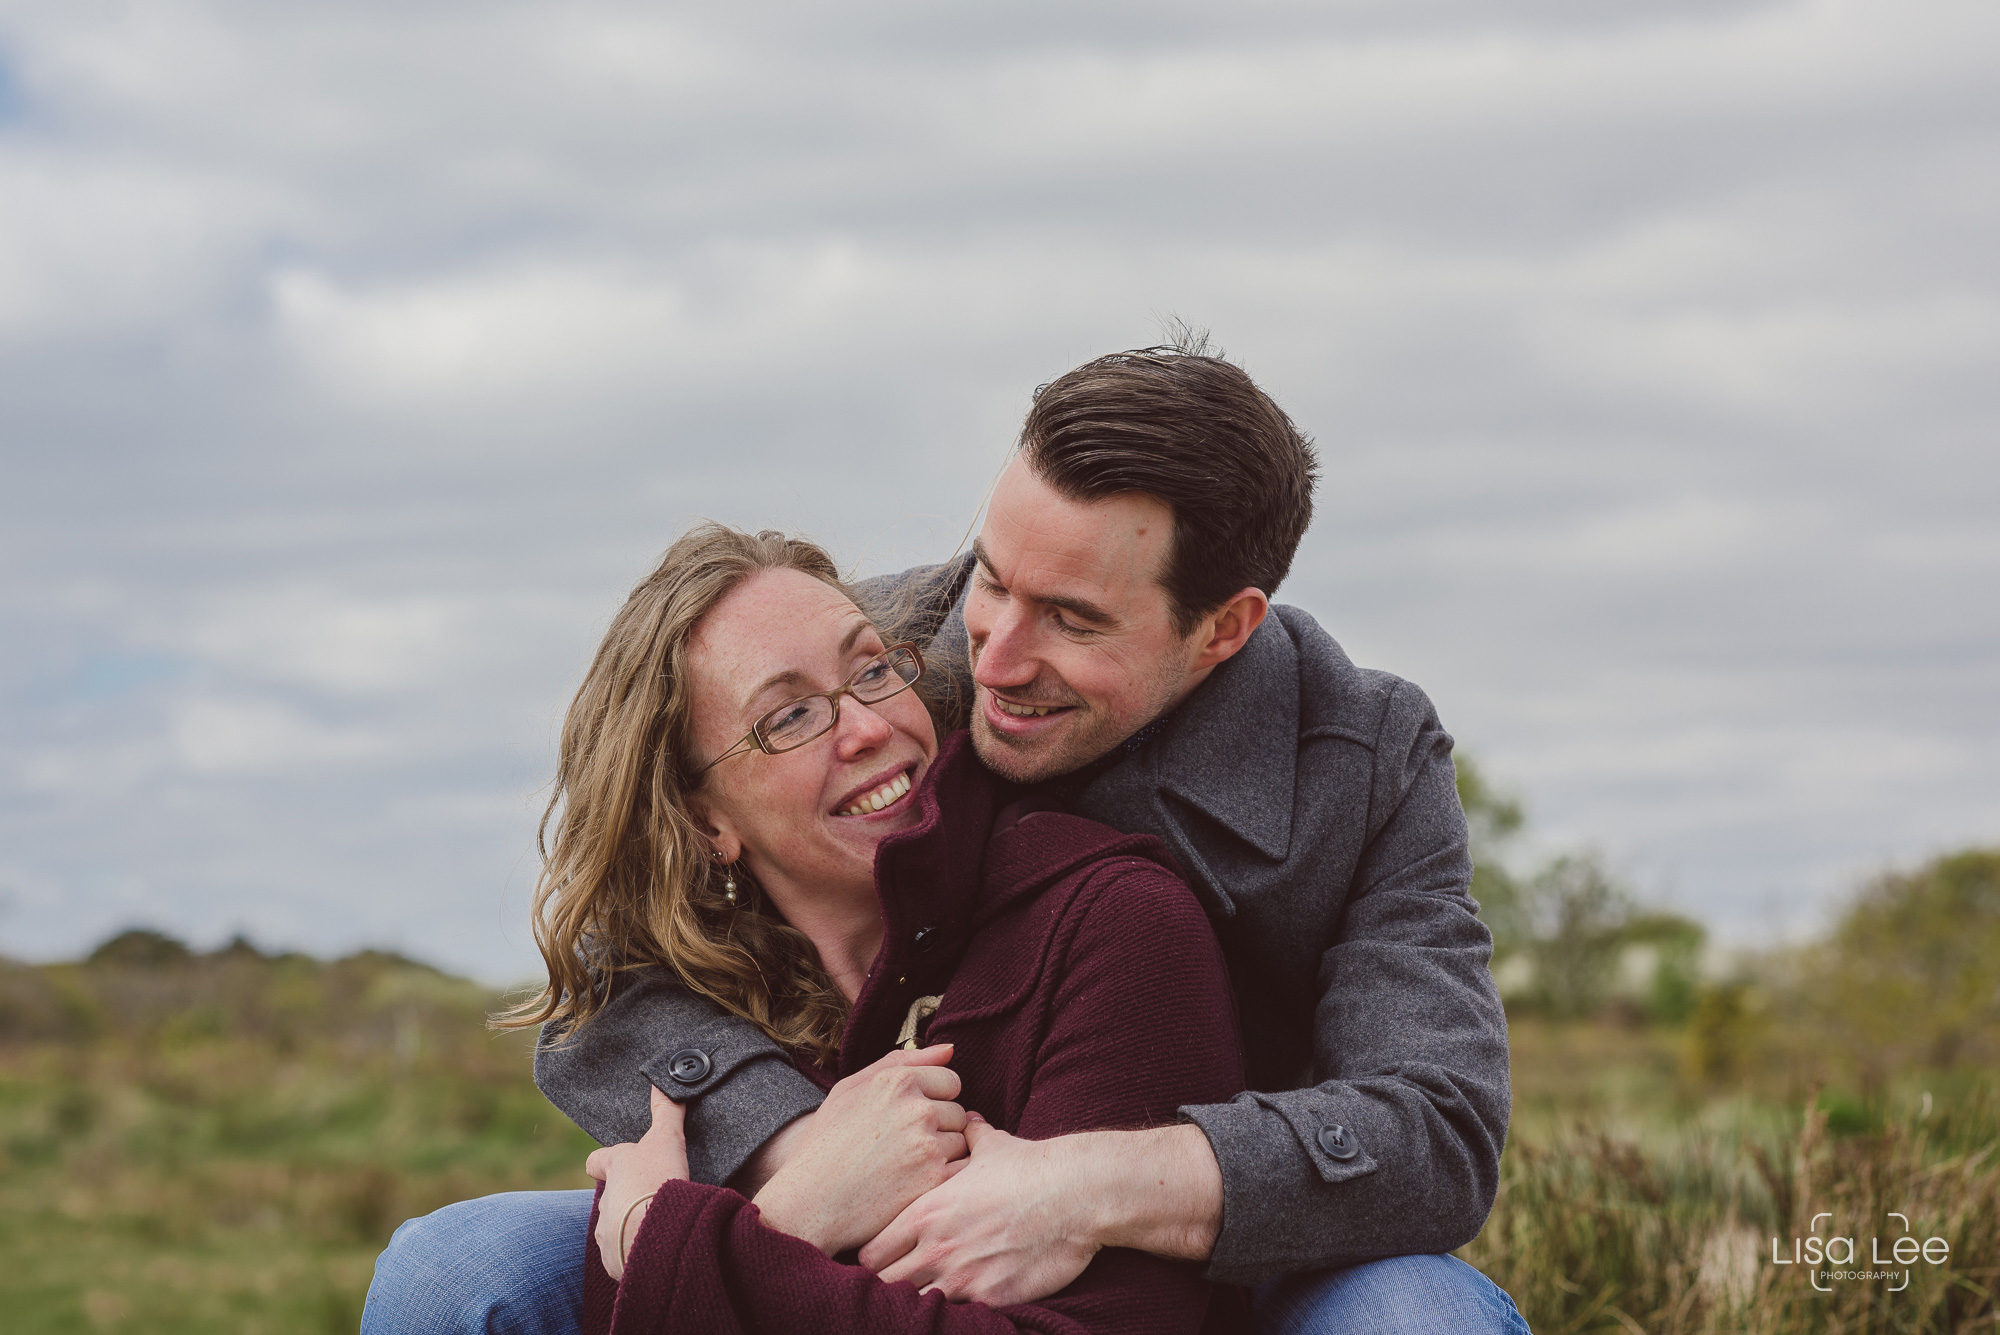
{"points": [[1229, 753], [1231, 749]]}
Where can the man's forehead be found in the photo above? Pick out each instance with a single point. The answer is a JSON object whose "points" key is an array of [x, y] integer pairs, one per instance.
{"points": [[1039, 534]]}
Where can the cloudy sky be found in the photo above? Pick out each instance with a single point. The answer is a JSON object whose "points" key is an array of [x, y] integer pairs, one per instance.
{"points": [[355, 358]]}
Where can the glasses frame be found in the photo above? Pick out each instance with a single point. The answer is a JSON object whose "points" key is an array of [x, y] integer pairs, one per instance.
{"points": [[755, 738]]}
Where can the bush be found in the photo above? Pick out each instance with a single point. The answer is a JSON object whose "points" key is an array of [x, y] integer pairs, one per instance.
{"points": [[1911, 975]]}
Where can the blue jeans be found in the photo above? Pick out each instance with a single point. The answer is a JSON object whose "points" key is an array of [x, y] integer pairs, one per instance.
{"points": [[1401, 1295], [510, 1264], [513, 1265]]}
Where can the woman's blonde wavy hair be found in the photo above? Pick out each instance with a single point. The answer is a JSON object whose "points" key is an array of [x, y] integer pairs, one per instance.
{"points": [[628, 879]]}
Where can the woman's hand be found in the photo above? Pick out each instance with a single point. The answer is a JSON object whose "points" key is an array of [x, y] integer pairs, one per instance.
{"points": [[631, 1173], [884, 1136]]}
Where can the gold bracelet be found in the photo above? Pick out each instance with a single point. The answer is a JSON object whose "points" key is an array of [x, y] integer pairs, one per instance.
{"points": [[626, 1222]]}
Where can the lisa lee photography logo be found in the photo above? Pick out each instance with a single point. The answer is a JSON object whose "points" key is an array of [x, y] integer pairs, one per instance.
{"points": [[1836, 1259]]}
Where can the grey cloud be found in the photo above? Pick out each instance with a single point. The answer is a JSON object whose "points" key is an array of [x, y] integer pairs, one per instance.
{"points": [[355, 359]]}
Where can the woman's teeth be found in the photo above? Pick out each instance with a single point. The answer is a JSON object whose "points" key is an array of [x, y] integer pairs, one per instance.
{"points": [[881, 797], [1021, 711]]}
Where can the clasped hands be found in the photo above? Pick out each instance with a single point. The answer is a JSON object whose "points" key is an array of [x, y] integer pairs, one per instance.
{"points": [[889, 1163]]}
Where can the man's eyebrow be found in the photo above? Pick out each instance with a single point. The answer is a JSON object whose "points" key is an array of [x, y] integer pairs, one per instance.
{"points": [[1081, 608], [794, 677]]}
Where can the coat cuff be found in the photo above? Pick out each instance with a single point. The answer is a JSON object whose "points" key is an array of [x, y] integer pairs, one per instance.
{"points": [[738, 1086], [739, 1090], [1277, 1156]]}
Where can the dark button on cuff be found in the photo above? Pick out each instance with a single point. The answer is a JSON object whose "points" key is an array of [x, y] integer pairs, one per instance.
{"points": [[1339, 1142], [689, 1065]]}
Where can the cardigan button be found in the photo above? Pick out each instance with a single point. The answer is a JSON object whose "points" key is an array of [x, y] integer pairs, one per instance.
{"points": [[925, 938], [1339, 1142], [689, 1065]]}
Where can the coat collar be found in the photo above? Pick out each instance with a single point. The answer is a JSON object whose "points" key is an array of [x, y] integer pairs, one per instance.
{"points": [[1242, 722], [928, 880], [977, 848], [1231, 749]]}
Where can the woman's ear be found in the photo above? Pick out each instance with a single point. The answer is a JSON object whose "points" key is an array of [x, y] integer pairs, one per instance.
{"points": [[723, 840]]}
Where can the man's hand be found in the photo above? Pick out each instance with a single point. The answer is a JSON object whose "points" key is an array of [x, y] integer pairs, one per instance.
{"points": [[1010, 1227], [631, 1173], [884, 1136], [1023, 1218]]}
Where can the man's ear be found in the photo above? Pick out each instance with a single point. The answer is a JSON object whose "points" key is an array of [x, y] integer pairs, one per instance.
{"points": [[1230, 627]]}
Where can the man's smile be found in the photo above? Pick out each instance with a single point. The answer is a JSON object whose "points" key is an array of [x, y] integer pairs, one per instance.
{"points": [[1007, 706]]}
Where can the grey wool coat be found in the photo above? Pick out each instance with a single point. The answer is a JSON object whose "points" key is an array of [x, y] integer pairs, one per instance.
{"points": [[1312, 806]]}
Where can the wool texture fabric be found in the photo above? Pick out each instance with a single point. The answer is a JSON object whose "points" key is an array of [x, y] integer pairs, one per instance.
{"points": [[1082, 990], [1312, 807]]}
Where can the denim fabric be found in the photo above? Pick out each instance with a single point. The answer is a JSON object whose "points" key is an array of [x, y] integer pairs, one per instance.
{"points": [[513, 1265], [1402, 1295], [510, 1264]]}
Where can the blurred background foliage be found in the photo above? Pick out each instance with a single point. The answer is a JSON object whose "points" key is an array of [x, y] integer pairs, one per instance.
{"points": [[1677, 1107], [222, 1141]]}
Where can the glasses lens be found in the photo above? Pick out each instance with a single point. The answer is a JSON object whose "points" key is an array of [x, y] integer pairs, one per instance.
{"points": [[795, 724], [882, 677]]}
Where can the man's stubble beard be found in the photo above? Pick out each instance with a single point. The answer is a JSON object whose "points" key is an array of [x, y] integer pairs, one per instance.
{"points": [[1093, 736]]}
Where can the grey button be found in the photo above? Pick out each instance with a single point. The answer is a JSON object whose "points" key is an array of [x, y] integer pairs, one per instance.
{"points": [[689, 1065], [1339, 1142]]}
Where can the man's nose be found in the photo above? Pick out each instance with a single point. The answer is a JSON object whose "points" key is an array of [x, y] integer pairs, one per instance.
{"points": [[1005, 656]]}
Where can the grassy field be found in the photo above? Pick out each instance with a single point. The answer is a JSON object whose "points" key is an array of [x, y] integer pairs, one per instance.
{"points": [[1637, 1198], [203, 1147], [222, 1143]]}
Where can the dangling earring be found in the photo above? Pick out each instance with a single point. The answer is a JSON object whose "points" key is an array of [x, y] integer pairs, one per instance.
{"points": [[728, 879]]}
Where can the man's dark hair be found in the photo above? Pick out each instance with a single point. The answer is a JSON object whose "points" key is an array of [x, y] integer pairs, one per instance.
{"points": [[1194, 431]]}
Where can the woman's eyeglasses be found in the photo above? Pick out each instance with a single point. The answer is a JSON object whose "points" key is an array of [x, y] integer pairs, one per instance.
{"points": [[796, 722]]}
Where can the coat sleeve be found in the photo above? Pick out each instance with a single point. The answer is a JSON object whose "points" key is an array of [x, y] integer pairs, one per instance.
{"points": [[1395, 1150], [1137, 1018], [746, 1091]]}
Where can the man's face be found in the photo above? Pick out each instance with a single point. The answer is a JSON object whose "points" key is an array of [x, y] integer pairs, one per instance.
{"points": [[1073, 642]]}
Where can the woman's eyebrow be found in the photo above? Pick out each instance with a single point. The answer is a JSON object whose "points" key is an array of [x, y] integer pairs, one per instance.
{"points": [[794, 677]]}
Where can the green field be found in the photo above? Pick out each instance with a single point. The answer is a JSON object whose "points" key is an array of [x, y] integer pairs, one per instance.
{"points": [[222, 1143]]}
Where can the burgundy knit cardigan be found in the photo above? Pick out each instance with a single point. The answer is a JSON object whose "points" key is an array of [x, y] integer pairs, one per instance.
{"points": [[1084, 990]]}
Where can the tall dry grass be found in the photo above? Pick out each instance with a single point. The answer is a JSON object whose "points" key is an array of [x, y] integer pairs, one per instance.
{"points": [[1670, 1231]]}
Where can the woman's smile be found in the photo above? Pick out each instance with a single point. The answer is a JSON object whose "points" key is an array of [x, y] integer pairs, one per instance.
{"points": [[878, 796]]}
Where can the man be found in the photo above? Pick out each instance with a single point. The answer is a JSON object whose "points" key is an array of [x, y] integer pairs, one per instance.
{"points": [[1123, 654]]}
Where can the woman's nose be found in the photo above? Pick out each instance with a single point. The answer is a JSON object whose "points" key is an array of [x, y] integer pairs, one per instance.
{"points": [[860, 728]]}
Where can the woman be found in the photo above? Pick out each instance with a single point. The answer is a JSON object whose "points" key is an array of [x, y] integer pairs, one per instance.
{"points": [[751, 796]]}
